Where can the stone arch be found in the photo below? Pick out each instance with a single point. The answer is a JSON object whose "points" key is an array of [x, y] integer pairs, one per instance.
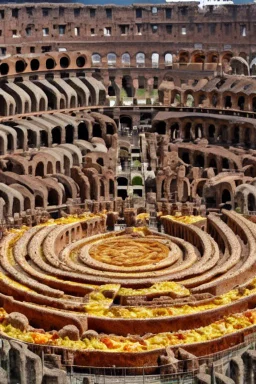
{"points": [[122, 181], [126, 59], [39, 171], [168, 59], [197, 57], [155, 60], [56, 135], [96, 59], [225, 61], [183, 57], [251, 202], [69, 134], [253, 67], [140, 60], [126, 122], [111, 59], [83, 131], [239, 66]]}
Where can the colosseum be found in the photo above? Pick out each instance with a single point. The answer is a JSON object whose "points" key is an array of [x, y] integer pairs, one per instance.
{"points": [[127, 194]]}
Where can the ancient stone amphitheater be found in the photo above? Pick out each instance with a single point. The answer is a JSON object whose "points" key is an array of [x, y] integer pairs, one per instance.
{"points": [[127, 194]]}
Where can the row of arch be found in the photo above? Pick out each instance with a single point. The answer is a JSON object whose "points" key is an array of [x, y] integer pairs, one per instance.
{"points": [[44, 62], [214, 99], [49, 130], [41, 95], [216, 132]]}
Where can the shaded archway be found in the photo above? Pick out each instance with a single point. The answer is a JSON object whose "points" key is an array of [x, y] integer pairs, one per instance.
{"points": [[199, 161], [56, 135], [83, 132], [226, 196], [251, 202], [69, 134], [96, 131], [39, 169]]}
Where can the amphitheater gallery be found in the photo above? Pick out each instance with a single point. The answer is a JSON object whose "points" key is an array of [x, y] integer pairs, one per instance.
{"points": [[127, 193]]}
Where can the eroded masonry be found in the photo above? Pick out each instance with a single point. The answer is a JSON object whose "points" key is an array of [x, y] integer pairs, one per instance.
{"points": [[127, 194]]}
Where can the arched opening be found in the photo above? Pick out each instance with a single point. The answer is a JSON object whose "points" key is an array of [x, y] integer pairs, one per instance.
{"points": [[185, 157], [225, 163], [111, 188], [168, 59], [212, 163], [126, 60], [53, 197], [140, 60], [20, 66], [127, 85], [96, 131], [96, 59], [251, 202], [122, 181], [64, 62], [10, 143], [111, 58], [175, 99], [211, 130], [240, 103], [223, 136], [236, 136], [228, 102], [100, 161], [247, 137], [183, 58], [39, 202], [16, 208], [190, 101], [187, 132], [34, 65], [39, 169], [173, 188], [69, 137], [214, 100], [4, 69], [102, 189], [126, 122], [199, 161], [109, 129], [58, 167], [198, 58], [27, 203], [137, 180], [26, 107], [56, 135], [80, 61], [83, 132], [226, 196], [50, 64], [73, 102], [42, 105], [198, 131], [43, 139], [49, 168], [155, 60], [175, 131], [160, 127]]}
